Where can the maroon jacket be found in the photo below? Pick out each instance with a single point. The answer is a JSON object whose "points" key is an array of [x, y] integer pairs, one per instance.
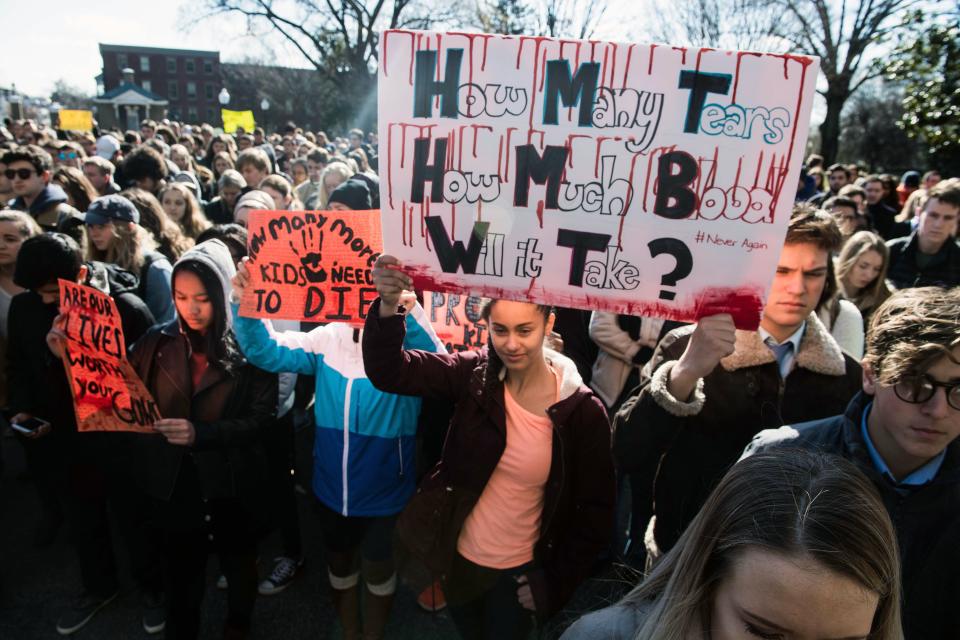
{"points": [[578, 509]]}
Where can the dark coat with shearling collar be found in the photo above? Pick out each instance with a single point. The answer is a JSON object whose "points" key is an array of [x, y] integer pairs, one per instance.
{"points": [[700, 439]]}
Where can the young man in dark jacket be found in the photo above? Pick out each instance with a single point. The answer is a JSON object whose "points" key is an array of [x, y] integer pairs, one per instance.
{"points": [[29, 170], [901, 431], [72, 470], [710, 388], [931, 255]]}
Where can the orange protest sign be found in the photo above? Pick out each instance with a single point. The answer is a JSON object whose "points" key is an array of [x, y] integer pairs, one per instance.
{"points": [[312, 265], [107, 393], [456, 320]]}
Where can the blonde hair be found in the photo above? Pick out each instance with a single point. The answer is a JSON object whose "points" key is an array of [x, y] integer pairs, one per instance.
{"points": [[193, 222], [26, 225], [336, 168], [870, 297], [130, 243], [791, 502]]}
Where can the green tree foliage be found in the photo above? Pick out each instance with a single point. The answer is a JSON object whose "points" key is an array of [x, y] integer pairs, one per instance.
{"points": [[927, 63]]}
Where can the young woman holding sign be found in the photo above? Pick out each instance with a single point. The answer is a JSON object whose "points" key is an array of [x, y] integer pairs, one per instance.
{"points": [[521, 505], [206, 467]]}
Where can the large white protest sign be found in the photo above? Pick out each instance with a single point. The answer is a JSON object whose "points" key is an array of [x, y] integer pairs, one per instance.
{"points": [[642, 179]]}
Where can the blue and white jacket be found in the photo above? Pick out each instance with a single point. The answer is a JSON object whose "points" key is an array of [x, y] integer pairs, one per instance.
{"points": [[363, 456]]}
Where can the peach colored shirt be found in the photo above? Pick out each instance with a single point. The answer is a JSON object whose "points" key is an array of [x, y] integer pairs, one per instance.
{"points": [[504, 526]]}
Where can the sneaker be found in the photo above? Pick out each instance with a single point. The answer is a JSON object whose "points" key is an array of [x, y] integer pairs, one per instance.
{"points": [[154, 613], [81, 611], [284, 571], [432, 599], [222, 583]]}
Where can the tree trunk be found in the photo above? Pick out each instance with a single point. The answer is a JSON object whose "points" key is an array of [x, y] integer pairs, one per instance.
{"points": [[830, 127]]}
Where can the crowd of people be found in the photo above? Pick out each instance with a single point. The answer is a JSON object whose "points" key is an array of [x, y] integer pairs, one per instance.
{"points": [[800, 481]]}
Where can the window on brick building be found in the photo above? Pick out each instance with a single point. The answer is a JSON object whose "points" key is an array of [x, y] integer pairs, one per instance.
{"points": [[191, 89], [171, 65], [172, 89], [144, 63], [191, 66]]}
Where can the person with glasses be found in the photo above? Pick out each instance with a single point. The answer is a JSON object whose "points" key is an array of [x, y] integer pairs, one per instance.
{"points": [[70, 154], [902, 431], [844, 211], [29, 170]]}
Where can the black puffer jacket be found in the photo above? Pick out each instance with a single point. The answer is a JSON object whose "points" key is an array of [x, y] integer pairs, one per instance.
{"points": [[927, 520]]}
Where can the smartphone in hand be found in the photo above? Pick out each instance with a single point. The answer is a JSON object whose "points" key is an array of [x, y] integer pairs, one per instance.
{"points": [[29, 426]]}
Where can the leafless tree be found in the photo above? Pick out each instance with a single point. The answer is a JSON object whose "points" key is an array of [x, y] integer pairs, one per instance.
{"points": [[570, 18], [726, 24], [845, 34], [338, 38]]}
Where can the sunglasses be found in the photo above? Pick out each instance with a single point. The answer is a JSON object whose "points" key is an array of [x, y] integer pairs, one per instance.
{"points": [[65, 155], [23, 174], [920, 388]]}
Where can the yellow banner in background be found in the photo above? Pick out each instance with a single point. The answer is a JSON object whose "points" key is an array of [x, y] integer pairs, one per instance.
{"points": [[234, 119], [76, 120]]}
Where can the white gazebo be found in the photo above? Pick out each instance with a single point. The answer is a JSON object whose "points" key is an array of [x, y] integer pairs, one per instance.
{"points": [[125, 106]]}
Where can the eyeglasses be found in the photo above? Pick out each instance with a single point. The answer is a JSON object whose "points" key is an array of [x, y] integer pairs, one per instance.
{"points": [[920, 388], [23, 174], [68, 155]]}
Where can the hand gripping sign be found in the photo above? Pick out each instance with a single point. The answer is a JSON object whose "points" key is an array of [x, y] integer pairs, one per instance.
{"points": [[640, 179], [312, 265], [107, 393]]}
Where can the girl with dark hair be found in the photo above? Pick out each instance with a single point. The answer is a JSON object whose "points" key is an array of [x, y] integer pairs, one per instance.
{"points": [[791, 544], [521, 505], [80, 193], [220, 143], [206, 467]]}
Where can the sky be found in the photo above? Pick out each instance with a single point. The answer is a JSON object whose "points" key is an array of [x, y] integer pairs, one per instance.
{"points": [[71, 32]]}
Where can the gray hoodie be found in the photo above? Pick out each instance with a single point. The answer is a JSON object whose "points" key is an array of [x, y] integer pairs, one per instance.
{"points": [[215, 255]]}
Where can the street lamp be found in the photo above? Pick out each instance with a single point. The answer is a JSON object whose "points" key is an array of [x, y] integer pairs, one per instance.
{"points": [[224, 97], [265, 105]]}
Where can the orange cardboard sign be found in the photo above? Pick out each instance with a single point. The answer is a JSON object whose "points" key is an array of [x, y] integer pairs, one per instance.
{"points": [[107, 393], [312, 265], [456, 320]]}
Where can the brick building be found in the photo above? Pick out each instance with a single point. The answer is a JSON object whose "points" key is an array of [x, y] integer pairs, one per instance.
{"points": [[189, 81]]}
